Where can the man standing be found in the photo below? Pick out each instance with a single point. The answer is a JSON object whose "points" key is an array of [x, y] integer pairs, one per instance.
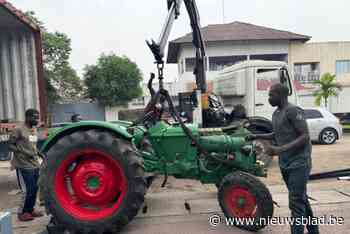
{"points": [[22, 143], [291, 135], [76, 118]]}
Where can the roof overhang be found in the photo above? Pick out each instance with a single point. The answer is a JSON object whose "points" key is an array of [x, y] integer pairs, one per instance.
{"points": [[12, 18], [174, 46]]}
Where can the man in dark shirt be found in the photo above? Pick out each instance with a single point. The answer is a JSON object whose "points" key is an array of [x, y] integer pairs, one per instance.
{"points": [[76, 118], [25, 160], [293, 146]]}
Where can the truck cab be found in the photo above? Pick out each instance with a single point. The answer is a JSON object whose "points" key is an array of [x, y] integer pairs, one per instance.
{"points": [[248, 83]]}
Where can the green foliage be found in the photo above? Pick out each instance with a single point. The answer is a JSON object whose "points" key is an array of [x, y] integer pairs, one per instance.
{"points": [[31, 16], [113, 80], [62, 82], [57, 49], [327, 87]]}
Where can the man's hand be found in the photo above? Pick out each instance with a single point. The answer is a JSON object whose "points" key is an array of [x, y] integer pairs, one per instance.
{"points": [[273, 150], [251, 137], [41, 155], [267, 136]]}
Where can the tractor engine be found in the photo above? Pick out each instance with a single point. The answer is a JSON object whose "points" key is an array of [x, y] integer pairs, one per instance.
{"points": [[214, 140], [219, 152], [231, 151]]}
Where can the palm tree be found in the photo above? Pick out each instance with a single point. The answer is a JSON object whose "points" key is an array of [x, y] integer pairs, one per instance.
{"points": [[327, 87]]}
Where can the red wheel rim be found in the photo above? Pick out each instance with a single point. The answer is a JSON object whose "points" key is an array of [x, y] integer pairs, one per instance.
{"points": [[240, 202], [90, 185]]}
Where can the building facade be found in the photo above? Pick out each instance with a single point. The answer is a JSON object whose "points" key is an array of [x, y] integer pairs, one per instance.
{"points": [[309, 61], [227, 44], [224, 54]]}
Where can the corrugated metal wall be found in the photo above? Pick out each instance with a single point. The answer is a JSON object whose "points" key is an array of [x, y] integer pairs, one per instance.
{"points": [[18, 74]]}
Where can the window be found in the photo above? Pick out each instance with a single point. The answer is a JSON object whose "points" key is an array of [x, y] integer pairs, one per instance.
{"points": [[219, 63], [342, 67], [306, 73], [191, 63], [181, 67], [313, 114], [265, 78], [270, 57]]}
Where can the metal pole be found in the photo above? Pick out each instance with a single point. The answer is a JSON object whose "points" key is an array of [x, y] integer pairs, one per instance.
{"points": [[197, 112], [223, 11], [164, 36]]}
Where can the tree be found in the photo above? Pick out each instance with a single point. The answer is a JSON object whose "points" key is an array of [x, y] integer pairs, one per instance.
{"points": [[113, 80], [327, 87], [62, 82]]}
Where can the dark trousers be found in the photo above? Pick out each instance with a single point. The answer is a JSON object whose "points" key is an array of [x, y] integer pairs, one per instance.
{"points": [[296, 180], [28, 183]]}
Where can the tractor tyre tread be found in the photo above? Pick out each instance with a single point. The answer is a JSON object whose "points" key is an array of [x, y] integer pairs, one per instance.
{"points": [[119, 149], [257, 188]]}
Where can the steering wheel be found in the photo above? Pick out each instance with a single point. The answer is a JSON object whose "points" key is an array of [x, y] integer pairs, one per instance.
{"points": [[216, 109], [215, 103]]}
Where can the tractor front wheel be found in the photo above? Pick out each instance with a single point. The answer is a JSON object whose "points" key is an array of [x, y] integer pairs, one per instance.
{"points": [[93, 182], [245, 200]]}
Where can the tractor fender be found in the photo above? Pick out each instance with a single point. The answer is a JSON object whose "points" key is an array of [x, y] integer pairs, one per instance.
{"points": [[114, 128]]}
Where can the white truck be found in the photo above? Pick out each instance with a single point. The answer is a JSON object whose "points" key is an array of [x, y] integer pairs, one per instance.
{"points": [[248, 83]]}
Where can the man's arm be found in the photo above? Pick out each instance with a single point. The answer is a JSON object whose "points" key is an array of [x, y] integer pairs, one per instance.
{"points": [[296, 117], [268, 136], [14, 137], [15, 134], [149, 85]]}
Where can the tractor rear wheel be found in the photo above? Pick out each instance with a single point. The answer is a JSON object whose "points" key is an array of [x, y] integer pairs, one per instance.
{"points": [[94, 182], [245, 200]]}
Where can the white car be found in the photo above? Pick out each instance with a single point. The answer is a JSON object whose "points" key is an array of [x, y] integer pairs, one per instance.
{"points": [[324, 127]]}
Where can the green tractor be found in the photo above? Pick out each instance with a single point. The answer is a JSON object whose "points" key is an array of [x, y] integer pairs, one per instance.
{"points": [[94, 175]]}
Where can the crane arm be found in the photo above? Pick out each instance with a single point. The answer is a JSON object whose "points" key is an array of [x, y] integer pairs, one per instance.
{"points": [[158, 47]]}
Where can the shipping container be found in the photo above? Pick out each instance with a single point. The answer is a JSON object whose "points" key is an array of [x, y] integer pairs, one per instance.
{"points": [[22, 83], [21, 67]]}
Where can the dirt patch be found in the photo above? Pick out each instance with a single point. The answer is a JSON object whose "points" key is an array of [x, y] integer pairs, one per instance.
{"points": [[324, 158]]}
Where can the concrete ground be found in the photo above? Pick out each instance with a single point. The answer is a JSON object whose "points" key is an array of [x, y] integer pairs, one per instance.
{"points": [[166, 212]]}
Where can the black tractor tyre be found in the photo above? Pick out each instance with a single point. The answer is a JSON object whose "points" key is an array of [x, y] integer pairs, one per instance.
{"points": [[120, 152], [328, 136], [259, 125], [263, 206]]}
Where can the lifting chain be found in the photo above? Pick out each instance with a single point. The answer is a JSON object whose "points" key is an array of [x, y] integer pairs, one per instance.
{"points": [[160, 67]]}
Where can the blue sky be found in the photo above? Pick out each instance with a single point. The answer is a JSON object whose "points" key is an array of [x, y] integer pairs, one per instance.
{"points": [[122, 26]]}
